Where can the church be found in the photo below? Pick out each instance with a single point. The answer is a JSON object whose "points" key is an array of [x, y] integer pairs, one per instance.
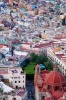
{"points": [[49, 85]]}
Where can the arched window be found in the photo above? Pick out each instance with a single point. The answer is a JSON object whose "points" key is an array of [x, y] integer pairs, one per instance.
{"points": [[56, 88], [49, 87], [43, 97]]}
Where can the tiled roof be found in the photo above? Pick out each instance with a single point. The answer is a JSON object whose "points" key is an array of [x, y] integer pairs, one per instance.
{"points": [[27, 43], [4, 72], [44, 45], [60, 36], [60, 55], [55, 78], [1, 45]]}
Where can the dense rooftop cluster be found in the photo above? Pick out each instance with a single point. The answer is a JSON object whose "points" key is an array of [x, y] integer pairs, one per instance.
{"points": [[28, 26]]}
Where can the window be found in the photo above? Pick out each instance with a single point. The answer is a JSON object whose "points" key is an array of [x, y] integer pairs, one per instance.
{"points": [[48, 87], [15, 81], [19, 81], [14, 99], [43, 97], [21, 72], [23, 76], [16, 87], [15, 77], [23, 81], [56, 88]]}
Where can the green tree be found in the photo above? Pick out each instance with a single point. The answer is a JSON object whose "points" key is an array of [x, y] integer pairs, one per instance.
{"points": [[49, 65], [1, 91], [40, 59], [33, 57]]}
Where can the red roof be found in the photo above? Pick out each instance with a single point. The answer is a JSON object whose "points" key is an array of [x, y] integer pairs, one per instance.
{"points": [[45, 72], [23, 49], [3, 72], [58, 94], [60, 55], [27, 43], [1, 45], [54, 78], [60, 36], [44, 45]]}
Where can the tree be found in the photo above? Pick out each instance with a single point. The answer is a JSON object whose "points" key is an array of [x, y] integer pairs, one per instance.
{"points": [[40, 59], [33, 57], [49, 65], [1, 91]]}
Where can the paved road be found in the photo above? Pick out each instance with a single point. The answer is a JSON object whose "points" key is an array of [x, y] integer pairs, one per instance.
{"points": [[30, 89]]}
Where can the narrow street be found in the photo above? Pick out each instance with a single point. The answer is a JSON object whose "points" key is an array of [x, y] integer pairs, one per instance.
{"points": [[30, 89]]}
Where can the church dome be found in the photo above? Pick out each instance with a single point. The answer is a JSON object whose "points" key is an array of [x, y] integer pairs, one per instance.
{"points": [[58, 94], [54, 78]]}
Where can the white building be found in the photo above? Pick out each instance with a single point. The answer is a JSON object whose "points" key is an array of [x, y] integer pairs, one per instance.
{"points": [[12, 94], [59, 58], [18, 77], [15, 76]]}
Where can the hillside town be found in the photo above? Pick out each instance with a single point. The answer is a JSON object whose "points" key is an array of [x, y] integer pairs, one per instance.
{"points": [[35, 27]]}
